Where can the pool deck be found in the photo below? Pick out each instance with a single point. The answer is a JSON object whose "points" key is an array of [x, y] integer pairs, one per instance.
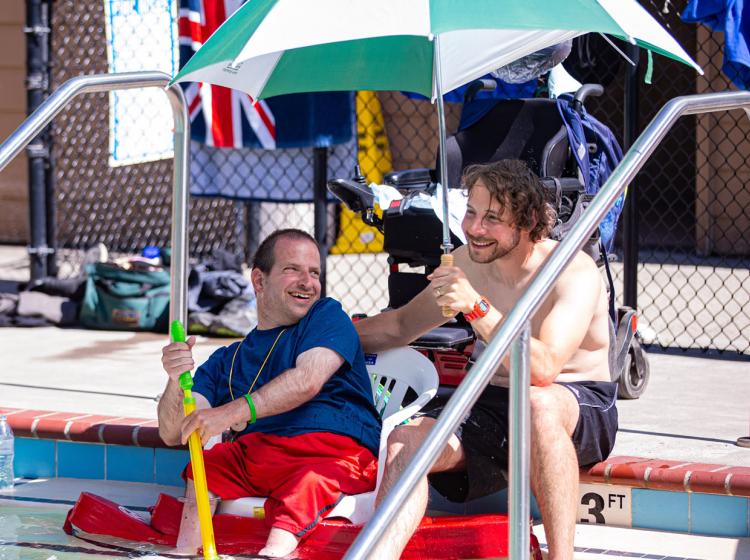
{"points": [[693, 410]]}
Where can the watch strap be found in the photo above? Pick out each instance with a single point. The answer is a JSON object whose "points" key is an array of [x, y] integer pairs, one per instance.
{"points": [[481, 308]]}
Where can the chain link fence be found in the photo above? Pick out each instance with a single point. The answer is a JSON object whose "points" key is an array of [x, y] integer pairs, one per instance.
{"points": [[124, 207], [694, 214], [693, 207]]}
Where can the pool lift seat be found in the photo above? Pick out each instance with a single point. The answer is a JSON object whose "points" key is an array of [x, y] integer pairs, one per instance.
{"points": [[403, 381]]}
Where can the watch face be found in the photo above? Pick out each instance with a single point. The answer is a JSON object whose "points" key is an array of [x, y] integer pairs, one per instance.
{"points": [[484, 307]]}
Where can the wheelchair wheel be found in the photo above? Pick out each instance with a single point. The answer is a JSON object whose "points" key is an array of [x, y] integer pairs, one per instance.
{"points": [[635, 372]]}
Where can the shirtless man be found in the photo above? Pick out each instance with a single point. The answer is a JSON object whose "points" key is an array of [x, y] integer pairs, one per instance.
{"points": [[573, 414]]}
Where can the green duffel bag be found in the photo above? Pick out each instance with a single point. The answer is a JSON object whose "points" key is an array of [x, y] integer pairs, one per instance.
{"points": [[125, 299]]}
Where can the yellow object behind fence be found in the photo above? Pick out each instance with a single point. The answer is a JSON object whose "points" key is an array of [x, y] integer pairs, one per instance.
{"points": [[374, 157]]}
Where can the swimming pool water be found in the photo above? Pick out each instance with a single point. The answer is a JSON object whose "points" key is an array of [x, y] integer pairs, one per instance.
{"points": [[34, 532]]}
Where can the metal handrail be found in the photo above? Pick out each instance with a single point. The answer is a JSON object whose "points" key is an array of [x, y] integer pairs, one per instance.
{"points": [[479, 376], [519, 454], [97, 83]]}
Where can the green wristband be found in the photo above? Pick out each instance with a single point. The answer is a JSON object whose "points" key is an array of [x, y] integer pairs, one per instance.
{"points": [[251, 404]]}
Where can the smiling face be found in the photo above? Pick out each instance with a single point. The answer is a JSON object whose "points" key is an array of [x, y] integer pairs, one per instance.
{"points": [[490, 232], [286, 293]]}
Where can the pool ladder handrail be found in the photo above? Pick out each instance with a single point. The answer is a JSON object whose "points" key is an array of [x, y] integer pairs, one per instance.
{"points": [[98, 83], [512, 328]]}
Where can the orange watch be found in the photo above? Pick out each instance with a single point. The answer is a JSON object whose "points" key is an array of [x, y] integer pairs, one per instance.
{"points": [[481, 308]]}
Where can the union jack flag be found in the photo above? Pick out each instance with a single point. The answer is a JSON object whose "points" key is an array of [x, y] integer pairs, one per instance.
{"points": [[220, 116]]}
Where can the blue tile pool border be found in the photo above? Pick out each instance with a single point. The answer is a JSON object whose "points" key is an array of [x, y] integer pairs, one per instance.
{"points": [[46, 458]]}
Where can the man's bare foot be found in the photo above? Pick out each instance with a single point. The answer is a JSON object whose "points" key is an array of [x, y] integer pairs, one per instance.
{"points": [[280, 543]]}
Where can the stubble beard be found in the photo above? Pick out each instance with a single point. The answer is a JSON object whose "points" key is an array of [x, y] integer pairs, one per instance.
{"points": [[500, 250]]}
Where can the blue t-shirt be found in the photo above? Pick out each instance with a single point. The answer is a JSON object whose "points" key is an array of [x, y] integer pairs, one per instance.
{"points": [[343, 406]]}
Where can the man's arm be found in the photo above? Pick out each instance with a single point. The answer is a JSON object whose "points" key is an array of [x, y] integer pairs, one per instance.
{"points": [[574, 301], [169, 412], [399, 327], [285, 392], [313, 368]]}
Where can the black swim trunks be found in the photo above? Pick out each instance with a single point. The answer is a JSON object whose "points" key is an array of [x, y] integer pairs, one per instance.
{"points": [[484, 436]]}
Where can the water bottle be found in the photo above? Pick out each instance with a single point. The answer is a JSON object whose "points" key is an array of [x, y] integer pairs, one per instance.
{"points": [[6, 454]]}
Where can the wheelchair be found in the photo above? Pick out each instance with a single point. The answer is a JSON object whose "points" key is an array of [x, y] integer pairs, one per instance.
{"points": [[531, 130]]}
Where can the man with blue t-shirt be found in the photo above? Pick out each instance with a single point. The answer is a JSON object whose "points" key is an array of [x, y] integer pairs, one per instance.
{"points": [[296, 390]]}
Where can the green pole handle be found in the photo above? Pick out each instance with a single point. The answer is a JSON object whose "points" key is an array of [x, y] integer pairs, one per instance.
{"points": [[186, 380]]}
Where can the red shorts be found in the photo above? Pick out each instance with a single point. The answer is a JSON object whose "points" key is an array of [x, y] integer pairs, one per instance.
{"points": [[303, 476]]}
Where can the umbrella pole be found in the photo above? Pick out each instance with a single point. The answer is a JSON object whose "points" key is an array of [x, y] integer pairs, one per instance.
{"points": [[446, 259], [447, 246]]}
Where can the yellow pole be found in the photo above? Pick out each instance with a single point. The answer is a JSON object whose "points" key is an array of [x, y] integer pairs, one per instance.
{"points": [[196, 459]]}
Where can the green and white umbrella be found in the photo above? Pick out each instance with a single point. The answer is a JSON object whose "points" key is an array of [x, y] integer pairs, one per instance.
{"points": [[274, 47]]}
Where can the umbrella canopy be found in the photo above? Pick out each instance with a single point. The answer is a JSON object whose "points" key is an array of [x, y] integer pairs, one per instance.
{"points": [[274, 47]]}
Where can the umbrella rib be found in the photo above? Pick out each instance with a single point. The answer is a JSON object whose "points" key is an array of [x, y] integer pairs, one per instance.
{"points": [[618, 49]]}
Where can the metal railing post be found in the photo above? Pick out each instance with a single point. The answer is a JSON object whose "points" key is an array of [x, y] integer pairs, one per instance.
{"points": [[519, 462], [320, 210], [178, 269], [477, 378], [630, 239], [43, 115], [41, 211]]}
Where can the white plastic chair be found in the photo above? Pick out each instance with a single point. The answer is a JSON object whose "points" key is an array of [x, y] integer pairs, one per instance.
{"points": [[392, 373]]}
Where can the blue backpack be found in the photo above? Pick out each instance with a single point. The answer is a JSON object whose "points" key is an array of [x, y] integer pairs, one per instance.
{"points": [[597, 153]]}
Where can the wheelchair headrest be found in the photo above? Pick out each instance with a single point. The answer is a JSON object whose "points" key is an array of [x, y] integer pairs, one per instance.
{"points": [[527, 129]]}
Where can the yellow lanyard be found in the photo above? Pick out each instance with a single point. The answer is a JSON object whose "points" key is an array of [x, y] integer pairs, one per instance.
{"points": [[257, 375]]}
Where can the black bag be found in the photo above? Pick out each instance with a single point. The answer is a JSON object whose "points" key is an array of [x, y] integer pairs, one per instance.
{"points": [[125, 299]]}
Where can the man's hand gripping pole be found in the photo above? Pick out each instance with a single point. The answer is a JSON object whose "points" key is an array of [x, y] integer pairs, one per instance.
{"points": [[196, 458]]}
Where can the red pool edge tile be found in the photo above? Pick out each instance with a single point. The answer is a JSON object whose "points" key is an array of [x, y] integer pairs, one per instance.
{"points": [[599, 472], [87, 429], [739, 483], [709, 482], [668, 475], [82, 427], [147, 436], [118, 434]]}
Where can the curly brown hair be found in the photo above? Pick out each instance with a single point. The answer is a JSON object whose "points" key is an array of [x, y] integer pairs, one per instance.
{"points": [[515, 186]]}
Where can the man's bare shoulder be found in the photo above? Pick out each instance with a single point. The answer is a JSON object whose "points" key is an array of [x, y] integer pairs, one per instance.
{"points": [[583, 264], [581, 267]]}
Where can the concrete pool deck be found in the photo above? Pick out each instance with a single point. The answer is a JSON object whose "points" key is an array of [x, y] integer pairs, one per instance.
{"points": [[694, 408]]}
